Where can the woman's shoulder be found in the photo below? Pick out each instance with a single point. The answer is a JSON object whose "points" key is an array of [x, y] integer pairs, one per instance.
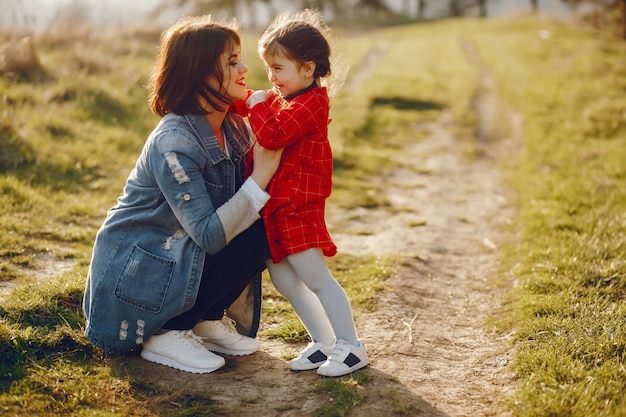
{"points": [[173, 131], [172, 121]]}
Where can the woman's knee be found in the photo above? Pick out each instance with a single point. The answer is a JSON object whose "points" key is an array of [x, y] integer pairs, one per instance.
{"points": [[251, 242]]}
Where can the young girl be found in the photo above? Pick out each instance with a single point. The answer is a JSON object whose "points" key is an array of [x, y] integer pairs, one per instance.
{"points": [[294, 116]]}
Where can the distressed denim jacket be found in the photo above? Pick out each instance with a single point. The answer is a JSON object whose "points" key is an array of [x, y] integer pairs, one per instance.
{"points": [[179, 203]]}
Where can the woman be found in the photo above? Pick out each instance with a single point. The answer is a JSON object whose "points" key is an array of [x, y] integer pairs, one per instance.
{"points": [[184, 242]]}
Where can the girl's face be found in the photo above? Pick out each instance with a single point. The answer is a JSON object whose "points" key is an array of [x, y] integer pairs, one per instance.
{"points": [[288, 76], [233, 68]]}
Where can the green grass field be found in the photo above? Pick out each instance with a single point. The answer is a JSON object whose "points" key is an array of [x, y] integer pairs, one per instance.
{"points": [[67, 145]]}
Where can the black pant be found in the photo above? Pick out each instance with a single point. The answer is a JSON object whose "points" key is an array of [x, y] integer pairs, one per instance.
{"points": [[224, 276]]}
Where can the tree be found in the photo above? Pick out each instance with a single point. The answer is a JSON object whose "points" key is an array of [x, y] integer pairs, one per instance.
{"points": [[534, 6], [455, 8], [421, 8], [220, 8], [605, 14], [482, 4]]}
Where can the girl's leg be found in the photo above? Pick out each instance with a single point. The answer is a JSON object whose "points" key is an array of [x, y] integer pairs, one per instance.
{"points": [[304, 302], [311, 268], [225, 275]]}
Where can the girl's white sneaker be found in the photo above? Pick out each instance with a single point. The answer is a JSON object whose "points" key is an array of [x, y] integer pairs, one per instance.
{"points": [[314, 355], [345, 358]]}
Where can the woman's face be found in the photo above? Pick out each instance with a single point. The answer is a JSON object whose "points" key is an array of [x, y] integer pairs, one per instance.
{"points": [[234, 83]]}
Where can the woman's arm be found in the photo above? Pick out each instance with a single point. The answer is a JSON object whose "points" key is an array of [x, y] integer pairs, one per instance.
{"points": [[176, 163], [265, 164]]}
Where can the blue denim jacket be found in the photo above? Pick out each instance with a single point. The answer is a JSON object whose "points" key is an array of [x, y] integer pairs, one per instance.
{"points": [[179, 203]]}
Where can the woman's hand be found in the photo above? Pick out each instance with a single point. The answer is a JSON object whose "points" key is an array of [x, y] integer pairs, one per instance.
{"points": [[265, 164]]}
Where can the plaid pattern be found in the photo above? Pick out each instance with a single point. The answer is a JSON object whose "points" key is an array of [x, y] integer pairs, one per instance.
{"points": [[294, 215]]}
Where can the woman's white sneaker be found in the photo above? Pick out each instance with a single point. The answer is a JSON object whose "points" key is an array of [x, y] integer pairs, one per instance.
{"points": [[222, 336], [344, 359], [312, 357], [181, 349]]}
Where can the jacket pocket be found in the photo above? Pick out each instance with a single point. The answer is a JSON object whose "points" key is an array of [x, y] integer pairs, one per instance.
{"points": [[217, 193], [144, 280]]}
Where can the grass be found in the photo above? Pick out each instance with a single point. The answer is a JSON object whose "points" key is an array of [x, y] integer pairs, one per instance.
{"points": [[343, 392], [66, 147], [570, 261]]}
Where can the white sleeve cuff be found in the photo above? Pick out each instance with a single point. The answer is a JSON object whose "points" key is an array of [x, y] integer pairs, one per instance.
{"points": [[256, 194], [253, 101]]}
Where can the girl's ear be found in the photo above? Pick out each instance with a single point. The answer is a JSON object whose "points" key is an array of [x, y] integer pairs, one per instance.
{"points": [[309, 68]]}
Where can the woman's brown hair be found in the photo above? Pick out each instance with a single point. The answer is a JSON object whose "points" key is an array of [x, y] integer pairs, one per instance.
{"points": [[189, 54]]}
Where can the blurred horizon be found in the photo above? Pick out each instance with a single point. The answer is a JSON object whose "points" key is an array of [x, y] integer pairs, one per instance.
{"points": [[43, 16]]}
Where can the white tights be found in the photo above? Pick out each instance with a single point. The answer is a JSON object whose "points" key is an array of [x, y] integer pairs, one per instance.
{"points": [[319, 301]]}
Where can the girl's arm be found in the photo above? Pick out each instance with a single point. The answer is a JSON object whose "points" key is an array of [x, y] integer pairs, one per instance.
{"points": [[277, 124], [240, 107]]}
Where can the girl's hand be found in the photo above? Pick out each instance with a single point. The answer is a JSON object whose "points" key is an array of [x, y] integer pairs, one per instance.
{"points": [[265, 164], [240, 107], [256, 98]]}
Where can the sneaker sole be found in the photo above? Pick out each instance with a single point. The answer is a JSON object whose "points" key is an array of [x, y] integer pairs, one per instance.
{"points": [[341, 372], [225, 351], [310, 367], [162, 360]]}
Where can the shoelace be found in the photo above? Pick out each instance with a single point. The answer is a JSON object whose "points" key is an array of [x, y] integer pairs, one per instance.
{"points": [[230, 324], [189, 334]]}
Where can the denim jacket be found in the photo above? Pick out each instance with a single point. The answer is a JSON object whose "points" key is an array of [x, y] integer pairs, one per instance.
{"points": [[181, 201]]}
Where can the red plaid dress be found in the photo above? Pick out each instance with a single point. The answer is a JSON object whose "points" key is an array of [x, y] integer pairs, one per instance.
{"points": [[294, 215]]}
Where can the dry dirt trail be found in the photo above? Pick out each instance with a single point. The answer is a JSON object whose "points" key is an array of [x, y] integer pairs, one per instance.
{"points": [[430, 352]]}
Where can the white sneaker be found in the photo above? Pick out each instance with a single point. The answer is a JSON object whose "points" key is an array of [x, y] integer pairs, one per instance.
{"points": [[222, 336], [344, 359], [311, 357], [181, 349]]}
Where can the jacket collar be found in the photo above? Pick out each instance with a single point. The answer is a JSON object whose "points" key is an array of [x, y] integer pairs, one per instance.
{"points": [[237, 139]]}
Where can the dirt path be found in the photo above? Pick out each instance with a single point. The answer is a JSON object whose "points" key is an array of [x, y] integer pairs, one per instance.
{"points": [[446, 361], [430, 352]]}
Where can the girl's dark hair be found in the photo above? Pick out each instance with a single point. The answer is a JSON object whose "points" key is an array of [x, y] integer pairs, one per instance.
{"points": [[301, 37], [189, 54]]}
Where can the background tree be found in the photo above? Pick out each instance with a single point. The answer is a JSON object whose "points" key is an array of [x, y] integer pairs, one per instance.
{"points": [[482, 4], [421, 8], [604, 14]]}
